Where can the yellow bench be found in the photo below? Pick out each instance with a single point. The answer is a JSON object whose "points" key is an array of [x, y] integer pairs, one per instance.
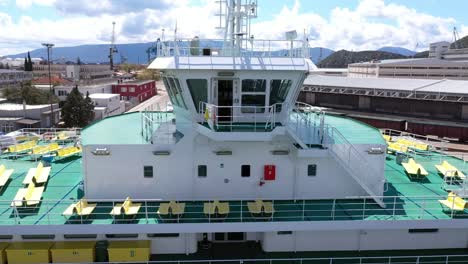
{"points": [[68, 151], [454, 202], [397, 147], [172, 207], [31, 195], [413, 144], [127, 208], [259, 207], [387, 138], [413, 168], [5, 175], [19, 148], [448, 170], [41, 150], [212, 208], [80, 208], [40, 174]]}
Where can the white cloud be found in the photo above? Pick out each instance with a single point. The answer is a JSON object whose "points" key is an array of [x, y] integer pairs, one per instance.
{"points": [[373, 24], [25, 4]]}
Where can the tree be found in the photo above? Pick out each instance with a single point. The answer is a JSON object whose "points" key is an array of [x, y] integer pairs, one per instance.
{"points": [[77, 111], [25, 64], [30, 64], [29, 94], [1, 65], [78, 61]]}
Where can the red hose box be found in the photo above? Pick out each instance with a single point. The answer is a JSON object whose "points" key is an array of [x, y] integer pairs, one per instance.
{"points": [[269, 173]]}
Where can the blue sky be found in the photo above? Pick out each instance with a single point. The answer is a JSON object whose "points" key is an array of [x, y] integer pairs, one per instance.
{"points": [[335, 24]]}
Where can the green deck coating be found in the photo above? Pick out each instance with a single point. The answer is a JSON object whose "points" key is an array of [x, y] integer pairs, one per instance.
{"points": [[118, 130], [63, 189], [127, 129], [355, 131]]}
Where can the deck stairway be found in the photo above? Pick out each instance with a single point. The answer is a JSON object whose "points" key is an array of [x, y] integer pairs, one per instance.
{"points": [[307, 126]]}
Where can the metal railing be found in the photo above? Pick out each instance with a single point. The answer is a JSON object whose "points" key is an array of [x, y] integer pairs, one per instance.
{"points": [[239, 118], [149, 121], [435, 143], [408, 259], [353, 208], [250, 48]]}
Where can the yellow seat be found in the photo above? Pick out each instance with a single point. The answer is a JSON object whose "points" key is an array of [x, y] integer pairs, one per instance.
{"points": [[5, 175], [413, 168], [454, 202], [255, 207], [128, 208], [413, 144], [31, 195], [41, 150], [68, 151], [172, 207], [212, 207], [268, 207], [40, 174], [80, 208], [387, 138], [397, 147], [23, 147], [448, 170]]}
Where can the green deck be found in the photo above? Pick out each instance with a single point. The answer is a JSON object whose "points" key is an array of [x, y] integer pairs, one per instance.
{"points": [[62, 190], [119, 130]]}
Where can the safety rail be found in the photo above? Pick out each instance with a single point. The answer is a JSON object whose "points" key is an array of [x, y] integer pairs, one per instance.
{"points": [[239, 118], [397, 259], [350, 209], [250, 48], [149, 121], [435, 143], [353, 161]]}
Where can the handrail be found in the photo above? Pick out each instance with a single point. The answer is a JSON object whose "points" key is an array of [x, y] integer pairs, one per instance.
{"points": [[256, 48], [263, 118], [400, 259], [366, 208]]}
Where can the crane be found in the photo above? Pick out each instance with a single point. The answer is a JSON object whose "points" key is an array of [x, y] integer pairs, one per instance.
{"points": [[456, 43], [112, 48]]}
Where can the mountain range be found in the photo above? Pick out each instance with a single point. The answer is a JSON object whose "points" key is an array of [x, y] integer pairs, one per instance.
{"points": [[137, 52]]}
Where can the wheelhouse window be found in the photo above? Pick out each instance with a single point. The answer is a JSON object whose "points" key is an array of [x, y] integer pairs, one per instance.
{"points": [[312, 170], [179, 93], [148, 171], [202, 171], [279, 90], [169, 91], [245, 171], [253, 95], [198, 90]]}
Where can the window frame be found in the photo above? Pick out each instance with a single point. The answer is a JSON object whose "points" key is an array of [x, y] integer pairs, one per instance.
{"points": [[258, 109], [145, 168], [203, 167], [312, 168], [243, 171]]}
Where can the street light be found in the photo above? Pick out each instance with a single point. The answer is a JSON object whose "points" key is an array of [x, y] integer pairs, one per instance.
{"points": [[49, 47]]}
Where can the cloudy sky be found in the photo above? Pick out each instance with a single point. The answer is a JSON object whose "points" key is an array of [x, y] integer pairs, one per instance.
{"points": [[335, 24]]}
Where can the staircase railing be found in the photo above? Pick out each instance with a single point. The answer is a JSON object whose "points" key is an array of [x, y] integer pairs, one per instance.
{"points": [[352, 160], [311, 121]]}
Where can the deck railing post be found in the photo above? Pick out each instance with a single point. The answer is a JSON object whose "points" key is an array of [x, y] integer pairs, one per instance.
{"points": [[394, 207], [303, 210], [446, 259], [146, 211], [241, 216], [364, 209], [333, 209]]}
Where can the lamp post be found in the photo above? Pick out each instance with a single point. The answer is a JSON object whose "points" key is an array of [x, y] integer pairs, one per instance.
{"points": [[49, 47]]}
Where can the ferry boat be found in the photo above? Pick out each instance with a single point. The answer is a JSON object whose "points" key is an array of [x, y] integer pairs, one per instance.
{"points": [[239, 172]]}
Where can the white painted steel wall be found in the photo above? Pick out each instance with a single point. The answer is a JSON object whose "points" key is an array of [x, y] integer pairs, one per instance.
{"points": [[175, 176], [363, 240]]}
